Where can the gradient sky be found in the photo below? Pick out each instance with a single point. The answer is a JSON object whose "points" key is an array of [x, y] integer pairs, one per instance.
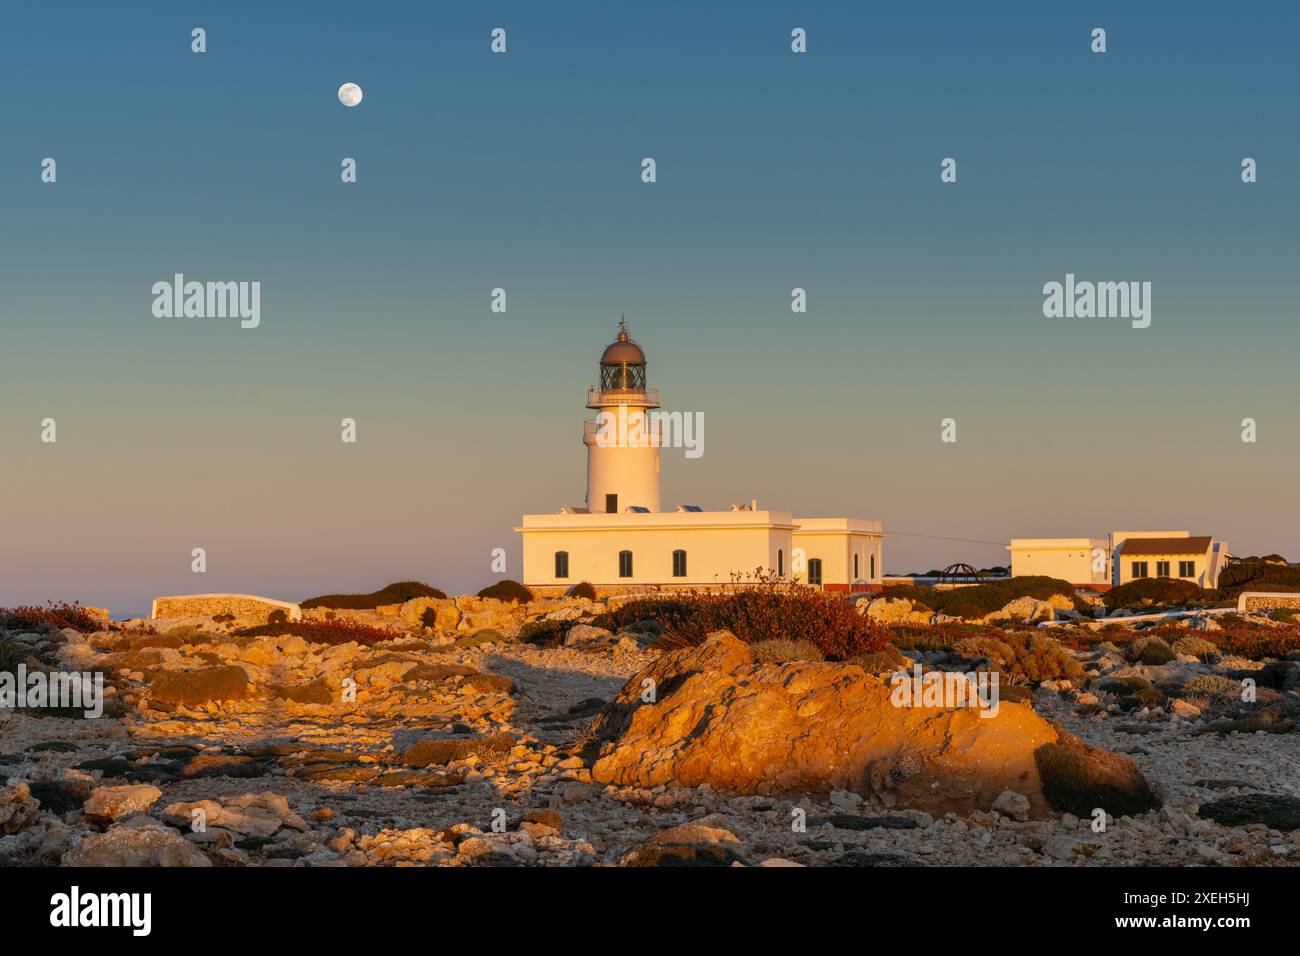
{"points": [[775, 170]]}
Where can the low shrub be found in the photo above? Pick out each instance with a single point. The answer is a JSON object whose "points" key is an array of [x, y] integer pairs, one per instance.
{"points": [[1239, 637], [397, 593], [338, 631], [768, 610], [1158, 592], [1024, 656], [582, 589], [1196, 647], [1148, 649], [1078, 778], [507, 591], [31, 617], [978, 600], [1214, 686], [1258, 574]]}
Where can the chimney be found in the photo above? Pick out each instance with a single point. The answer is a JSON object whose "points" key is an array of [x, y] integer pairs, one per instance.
{"points": [[753, 504]]}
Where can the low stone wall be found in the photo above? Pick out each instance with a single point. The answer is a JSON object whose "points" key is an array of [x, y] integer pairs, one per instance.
{"points": [[1267, 600], [243, 606]]}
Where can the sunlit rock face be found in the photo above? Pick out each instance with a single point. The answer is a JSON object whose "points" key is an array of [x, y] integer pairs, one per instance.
{"points": [[718, 718]]}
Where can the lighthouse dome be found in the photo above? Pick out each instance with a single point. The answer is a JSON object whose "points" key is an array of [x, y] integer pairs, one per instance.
{"points": [[623, 351]]}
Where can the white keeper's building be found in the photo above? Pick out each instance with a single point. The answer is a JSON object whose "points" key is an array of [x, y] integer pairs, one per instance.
{"points": [[622, 538]]}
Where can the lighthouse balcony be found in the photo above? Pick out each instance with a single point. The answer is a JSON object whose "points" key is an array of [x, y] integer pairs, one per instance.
{"points": [[607, 397]]}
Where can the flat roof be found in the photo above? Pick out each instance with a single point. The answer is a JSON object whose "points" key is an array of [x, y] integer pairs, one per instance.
{"points": [[1057, 543], [628, 521]]}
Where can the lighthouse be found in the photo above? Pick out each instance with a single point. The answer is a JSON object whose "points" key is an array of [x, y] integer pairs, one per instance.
{"points": [[622, 443], [621, 540]]}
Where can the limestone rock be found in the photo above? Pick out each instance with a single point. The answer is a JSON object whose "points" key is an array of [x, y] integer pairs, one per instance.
{"points": [[446, 614], [113, 803], [687, 845], [1012, 804], [18, 808], [1024, 609], [146, 846], [801, 727], [585, 635], [895, 611], [200, 686]]}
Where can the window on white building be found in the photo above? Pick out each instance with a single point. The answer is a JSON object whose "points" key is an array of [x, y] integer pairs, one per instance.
{"points": [[1140, 570], [625, 564], [1187, 569], [1162, 569], [561, 564], [815, 571], [679, 564]]}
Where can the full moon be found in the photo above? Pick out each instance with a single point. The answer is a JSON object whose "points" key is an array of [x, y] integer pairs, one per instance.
{"points": [[349, 94]]}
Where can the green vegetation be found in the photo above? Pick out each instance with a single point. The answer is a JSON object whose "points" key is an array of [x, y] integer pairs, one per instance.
{"points": [[582, 589], [397, 593], [1269, 573], [1078, 778], [1148, 649], [1023, 656], [507, 591], [978, 600], [1159, 593], [769, 610]]}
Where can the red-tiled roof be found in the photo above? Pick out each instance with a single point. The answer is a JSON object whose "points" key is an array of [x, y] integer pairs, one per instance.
{"points": [[1136, 547]]}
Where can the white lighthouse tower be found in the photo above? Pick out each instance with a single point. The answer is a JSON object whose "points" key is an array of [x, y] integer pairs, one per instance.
{"points": [[622, 445]]}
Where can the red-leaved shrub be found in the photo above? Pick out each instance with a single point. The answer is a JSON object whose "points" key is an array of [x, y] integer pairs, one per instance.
{"points": [[766, 610], [60, 615]]}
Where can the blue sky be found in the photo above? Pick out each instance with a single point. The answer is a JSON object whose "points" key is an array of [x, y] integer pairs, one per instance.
{"points": [[521, 171]]}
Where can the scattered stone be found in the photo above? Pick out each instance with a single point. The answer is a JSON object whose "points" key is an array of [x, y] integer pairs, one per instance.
{"points": [[18, 808], [149, 846], [113, 803]]}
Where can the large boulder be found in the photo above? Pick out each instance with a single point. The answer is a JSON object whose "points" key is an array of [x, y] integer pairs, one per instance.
{"points": [[719, 718]]}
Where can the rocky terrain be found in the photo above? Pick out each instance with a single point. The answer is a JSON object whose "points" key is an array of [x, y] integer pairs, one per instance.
{"points": [[455, 743]]}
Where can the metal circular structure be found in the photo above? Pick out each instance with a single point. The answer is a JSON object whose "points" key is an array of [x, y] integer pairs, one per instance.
{"points": [[960, 573]]}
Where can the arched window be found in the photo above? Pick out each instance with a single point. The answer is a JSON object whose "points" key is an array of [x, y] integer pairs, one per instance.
{"points": [[625, 564], [815, 571], [561, 564], [780, 563], [679, 563]]}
